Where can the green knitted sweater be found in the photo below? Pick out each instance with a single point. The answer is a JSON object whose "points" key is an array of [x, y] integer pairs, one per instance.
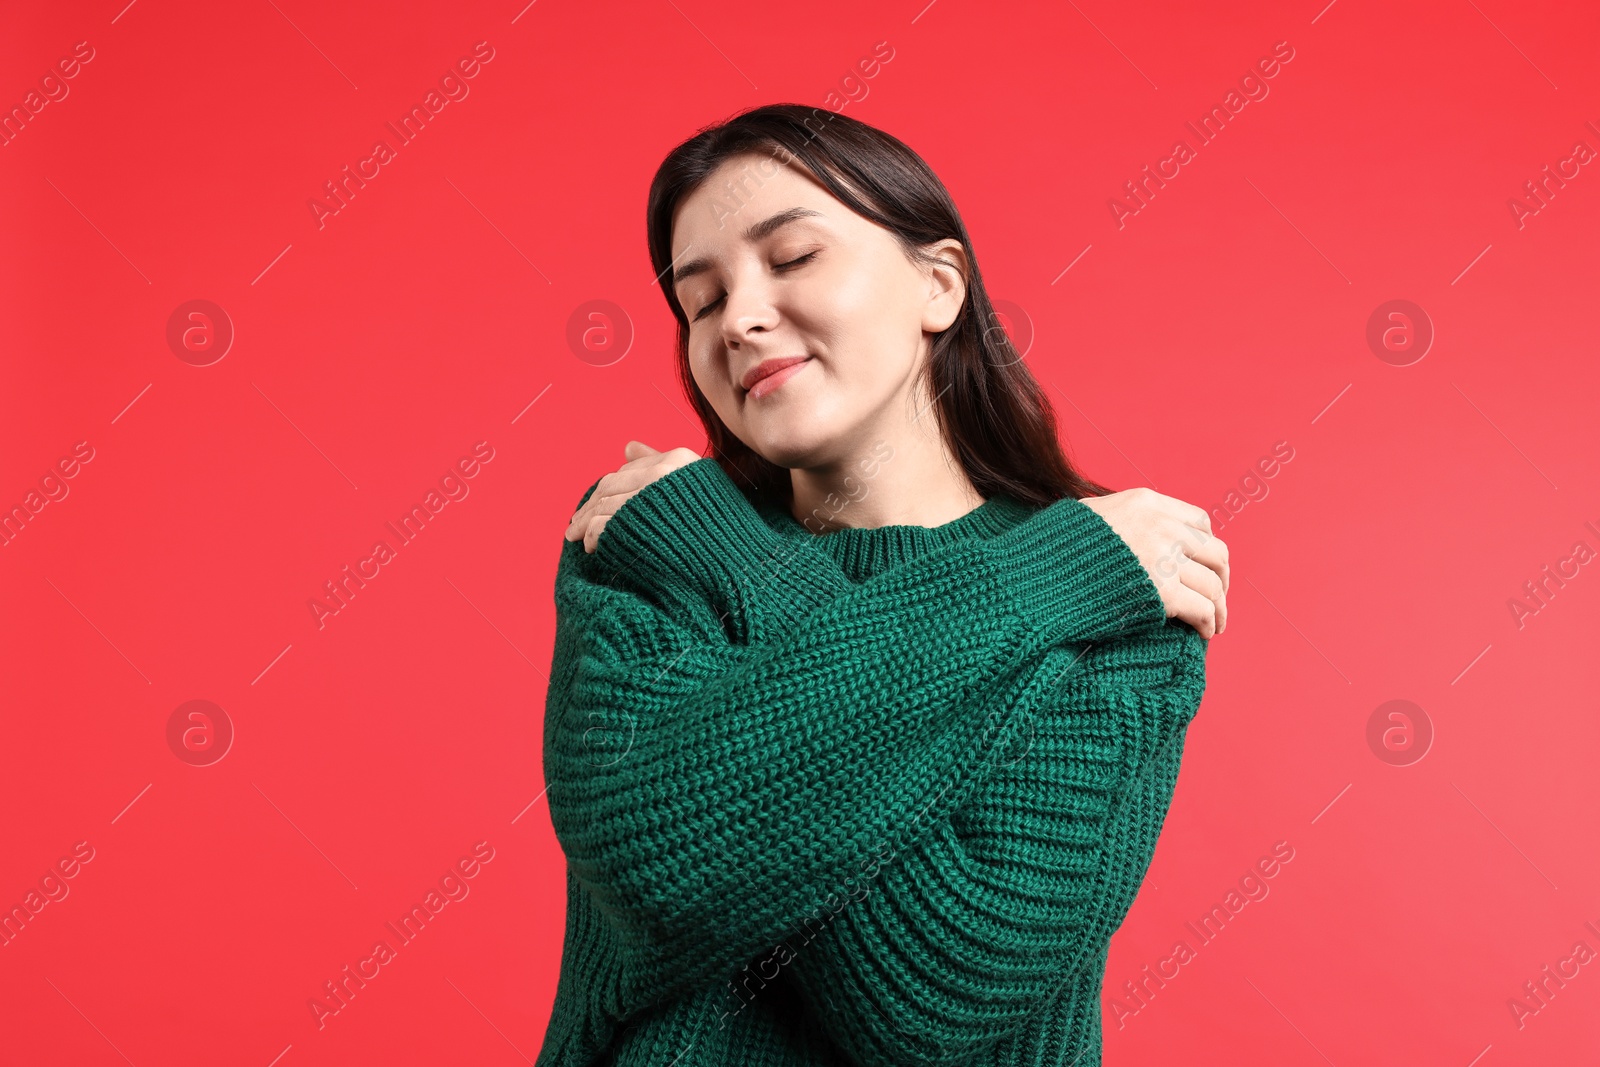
{"points": [[874, 797]]}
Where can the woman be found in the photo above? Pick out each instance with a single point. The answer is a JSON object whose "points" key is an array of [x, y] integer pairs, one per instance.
{"points": [[860, 731]]}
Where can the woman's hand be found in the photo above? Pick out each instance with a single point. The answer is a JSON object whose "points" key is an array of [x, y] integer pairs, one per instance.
{"points": [[1173, 540], [644, 466]]}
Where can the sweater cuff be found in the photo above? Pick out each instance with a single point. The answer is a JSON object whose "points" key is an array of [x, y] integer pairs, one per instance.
{"points": [[694, 527], [1074, 577]]}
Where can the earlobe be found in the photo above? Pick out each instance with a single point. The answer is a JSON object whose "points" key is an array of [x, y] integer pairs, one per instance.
{"points": [[945, 301], [941, 314]]}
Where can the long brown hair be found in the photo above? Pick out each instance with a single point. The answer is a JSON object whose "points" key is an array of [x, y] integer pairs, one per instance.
{"points": [[991, 410]]}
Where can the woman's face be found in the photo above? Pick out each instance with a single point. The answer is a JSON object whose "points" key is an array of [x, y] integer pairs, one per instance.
{"points": [[769, 266]]}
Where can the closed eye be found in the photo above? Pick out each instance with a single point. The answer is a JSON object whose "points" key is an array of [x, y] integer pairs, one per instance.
{"points": [[703, 312], [795, 262]]}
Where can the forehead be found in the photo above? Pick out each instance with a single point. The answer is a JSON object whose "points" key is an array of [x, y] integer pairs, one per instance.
{"points": [[742, 191]]}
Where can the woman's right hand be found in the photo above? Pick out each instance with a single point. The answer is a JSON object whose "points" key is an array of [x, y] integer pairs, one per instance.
{"points": [[1174, 542]]}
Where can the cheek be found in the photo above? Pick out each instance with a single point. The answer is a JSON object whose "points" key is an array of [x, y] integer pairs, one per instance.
{"points": [[849, 318], [875, 354], [870, 313], [710, 378]]}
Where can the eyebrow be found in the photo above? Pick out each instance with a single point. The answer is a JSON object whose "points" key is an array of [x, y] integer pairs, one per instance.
{"points": [[756, 231]]}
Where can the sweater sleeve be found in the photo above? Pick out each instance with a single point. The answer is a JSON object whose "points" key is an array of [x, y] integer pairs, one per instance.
{"points": [[964, 939], [707, 792], [691, 538]]}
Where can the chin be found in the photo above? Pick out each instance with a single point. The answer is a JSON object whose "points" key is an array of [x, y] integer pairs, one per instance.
{"points": [[788, 441]]}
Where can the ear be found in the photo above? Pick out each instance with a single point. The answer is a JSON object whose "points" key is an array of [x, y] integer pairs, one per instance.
{"points": [[947, 285]]}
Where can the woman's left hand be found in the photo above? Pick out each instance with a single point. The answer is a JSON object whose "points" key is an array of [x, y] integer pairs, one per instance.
{"points": [[644, 466]]}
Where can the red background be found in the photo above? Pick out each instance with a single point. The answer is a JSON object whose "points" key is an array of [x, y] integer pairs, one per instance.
{"points": [[431, 311]]}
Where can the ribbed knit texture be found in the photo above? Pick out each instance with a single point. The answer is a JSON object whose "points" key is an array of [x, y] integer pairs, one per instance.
{"points": [[878, 796]]}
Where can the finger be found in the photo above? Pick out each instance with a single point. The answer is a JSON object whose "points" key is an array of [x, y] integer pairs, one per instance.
{"points": [[644, 456], [635, 449], [584, 508], [605, 507], [624, 481], [591, 537], [1213, 552], [1204, 581], [1196, 609], [578, 526]]}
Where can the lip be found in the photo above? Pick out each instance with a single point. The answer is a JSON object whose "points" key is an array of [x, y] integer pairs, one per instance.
{"points": [[766, 369]]}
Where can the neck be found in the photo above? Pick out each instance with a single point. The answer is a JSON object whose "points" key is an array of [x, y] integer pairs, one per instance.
{"points": [[905, 478]]}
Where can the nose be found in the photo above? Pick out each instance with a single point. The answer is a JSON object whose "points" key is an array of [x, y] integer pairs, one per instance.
{"points": [[748, 308]]}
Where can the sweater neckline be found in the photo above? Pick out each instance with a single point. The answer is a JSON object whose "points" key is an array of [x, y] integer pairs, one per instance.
{"points": [[862, 551]]}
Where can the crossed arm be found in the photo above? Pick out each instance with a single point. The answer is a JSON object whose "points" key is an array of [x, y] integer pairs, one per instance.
{"points": [[706, 798]]}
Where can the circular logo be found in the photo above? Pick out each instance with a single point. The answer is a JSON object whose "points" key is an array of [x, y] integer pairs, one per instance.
{"points": [[1399, 333], [199, 733], [1018, 744], [199, 333], [1012, 323], [1399, 733], [599, 332], [608, 742]]}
